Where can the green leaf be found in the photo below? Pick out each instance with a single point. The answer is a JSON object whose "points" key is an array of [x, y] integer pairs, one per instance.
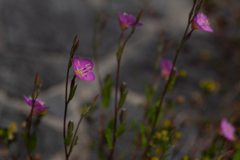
{"points": [[143, 138], [236, 155], [122, 100], [68, 139], [32, 144], [171, 84], [72, 93], [106, 92], [75, 143], [108, 133], [70, 127], [149, 91], [120, 130]]}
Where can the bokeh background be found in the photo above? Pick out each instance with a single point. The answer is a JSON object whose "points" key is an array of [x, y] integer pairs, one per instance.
{"points": [[36, 36]]}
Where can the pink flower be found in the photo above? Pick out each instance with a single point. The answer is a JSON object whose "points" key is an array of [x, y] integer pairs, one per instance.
{"points": [[227, 129], [166, 66], [82, 69], [38, 105], [127, 20], [201, 22]]}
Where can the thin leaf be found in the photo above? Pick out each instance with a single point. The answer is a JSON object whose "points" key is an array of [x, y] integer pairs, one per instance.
{"points": [[32, 144], [171, 84], [106, 92], [120, 130], [122, 100], [72, 94]]}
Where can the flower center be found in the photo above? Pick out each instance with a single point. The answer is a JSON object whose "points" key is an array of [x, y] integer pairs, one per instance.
{"points": [[84, 71]]}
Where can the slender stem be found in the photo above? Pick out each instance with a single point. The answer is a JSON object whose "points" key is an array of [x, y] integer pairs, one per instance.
{"points": [[165, 88], [65, 113], [116, 89], [116, 110], [29, 125], [73, 140]]}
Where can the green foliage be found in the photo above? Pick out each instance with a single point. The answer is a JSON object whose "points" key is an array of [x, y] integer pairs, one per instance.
{"points": [[72, 94], [122, 100], [236, 155], [68, 138], [100, 153], [106, 91], [153, 112], [120, 130], [143, 138], [149, 91], [108, 134], [171, 84], [32, 144]]}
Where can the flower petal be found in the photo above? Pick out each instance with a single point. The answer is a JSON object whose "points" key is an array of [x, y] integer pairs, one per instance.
{"points": [[28, 101], [89, 77], [86, 63]]}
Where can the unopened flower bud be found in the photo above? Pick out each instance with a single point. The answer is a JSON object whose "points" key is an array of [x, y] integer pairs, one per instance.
{"points": [[37, 157], [36, 79], [123, 88], [123, 115], [75, 40]]}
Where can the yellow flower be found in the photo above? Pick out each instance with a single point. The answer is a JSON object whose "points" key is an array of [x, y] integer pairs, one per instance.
{"points": [[164, 132], [167, 124], [159, 150], [185, 158], [1, 132], [177, 135], [158, 135], [154, 158], [206, 158], [182, 73], [44, 112], [13, 127]]}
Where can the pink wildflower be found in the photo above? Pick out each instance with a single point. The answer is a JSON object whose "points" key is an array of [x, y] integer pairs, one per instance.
{"points": [[127, 20], [82, 69], [166, 66], [227, 129], [201, 22], [38, 105]]}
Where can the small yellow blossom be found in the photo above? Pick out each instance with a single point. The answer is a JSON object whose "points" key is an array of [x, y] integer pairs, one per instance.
{"points": [[185, 158], [23, 125], [154, 158], [1, 132], [177, 135], [164, 132], [167, 124], [182, 73], [10, 136], [209, 85], [206, 158], [13, 127], [44, 112], [158, 135], [159, 150]]}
